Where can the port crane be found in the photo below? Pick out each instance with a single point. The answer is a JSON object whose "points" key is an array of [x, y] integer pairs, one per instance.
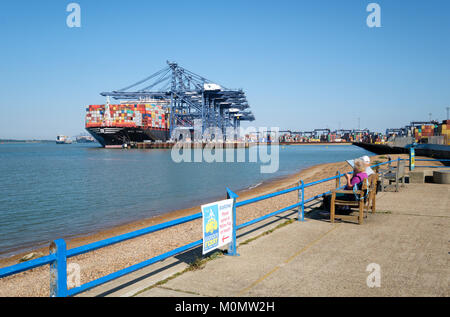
{"points": [[189, 97], [327, 131], [324, 135], [343, 131], [414, 124], [360, 131]]}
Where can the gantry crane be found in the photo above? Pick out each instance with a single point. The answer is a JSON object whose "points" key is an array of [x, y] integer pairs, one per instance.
{"points": [[189, 97]]}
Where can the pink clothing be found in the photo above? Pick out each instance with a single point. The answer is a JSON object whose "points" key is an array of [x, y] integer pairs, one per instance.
{"points": [[356, 179]]}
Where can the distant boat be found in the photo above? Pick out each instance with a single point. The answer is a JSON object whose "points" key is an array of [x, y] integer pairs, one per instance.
{"points": [[62, 139], [85, 139]]}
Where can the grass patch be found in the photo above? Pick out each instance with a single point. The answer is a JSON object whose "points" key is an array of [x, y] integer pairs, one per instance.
{"points": [[199, 263], [268, 231]]}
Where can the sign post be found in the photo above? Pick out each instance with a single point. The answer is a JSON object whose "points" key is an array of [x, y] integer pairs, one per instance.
{"points": [[412, 158]]}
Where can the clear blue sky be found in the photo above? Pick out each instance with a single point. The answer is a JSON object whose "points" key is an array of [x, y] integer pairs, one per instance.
{"points": [[303, 64]]}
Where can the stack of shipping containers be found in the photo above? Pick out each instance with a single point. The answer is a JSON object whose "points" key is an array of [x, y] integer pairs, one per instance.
{"points": [[423, 131], [430, 133], [128, 115], [444, 130], [94, 115]]}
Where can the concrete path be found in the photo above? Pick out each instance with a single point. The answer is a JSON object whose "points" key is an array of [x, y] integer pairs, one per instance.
{"points": [[131, 284], [408, 239]]}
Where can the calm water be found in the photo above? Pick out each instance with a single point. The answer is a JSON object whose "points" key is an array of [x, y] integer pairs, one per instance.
{"points": [[49, 191]]}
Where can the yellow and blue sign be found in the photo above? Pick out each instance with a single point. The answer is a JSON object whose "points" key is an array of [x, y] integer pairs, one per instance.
{"points": [[210, 227], [412, 158], [217, 224]]}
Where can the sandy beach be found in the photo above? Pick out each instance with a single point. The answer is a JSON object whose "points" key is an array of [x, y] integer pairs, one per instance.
{"points": [[113, 258]]}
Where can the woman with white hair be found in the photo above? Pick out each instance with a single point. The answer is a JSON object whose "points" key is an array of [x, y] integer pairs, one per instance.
{"points": [[359, 175]]}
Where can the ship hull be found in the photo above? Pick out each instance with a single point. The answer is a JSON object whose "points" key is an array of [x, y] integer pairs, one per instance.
{"points": [[431, 150], [114, 137]]}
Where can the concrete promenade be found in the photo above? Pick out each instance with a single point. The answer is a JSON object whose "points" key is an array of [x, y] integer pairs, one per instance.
{"points": [[408, 238]]}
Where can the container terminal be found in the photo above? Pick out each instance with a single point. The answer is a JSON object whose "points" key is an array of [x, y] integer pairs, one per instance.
{"points": [[151, 109], [146, 113]]}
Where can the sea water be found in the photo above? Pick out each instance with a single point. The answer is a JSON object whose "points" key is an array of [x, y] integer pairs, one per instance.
{"points": [[50, 191]]}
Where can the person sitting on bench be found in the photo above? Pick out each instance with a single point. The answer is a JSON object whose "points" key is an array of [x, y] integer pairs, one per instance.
{"points": [[354, 181], [359, 175]]}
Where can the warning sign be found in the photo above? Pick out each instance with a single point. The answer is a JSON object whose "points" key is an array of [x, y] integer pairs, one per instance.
{"points": [[217, 224]]}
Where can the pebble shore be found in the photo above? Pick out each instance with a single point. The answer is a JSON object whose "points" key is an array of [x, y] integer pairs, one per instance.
{"points": [[113, 258]]}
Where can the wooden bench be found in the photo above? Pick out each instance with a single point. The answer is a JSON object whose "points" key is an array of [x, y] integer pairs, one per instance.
{"points": [[366, 199], [371, 199]]}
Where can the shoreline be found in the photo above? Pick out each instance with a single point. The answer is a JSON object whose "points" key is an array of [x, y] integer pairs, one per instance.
{"points": [[74, 241], [118, 256], [77, 240], [89, 237]]}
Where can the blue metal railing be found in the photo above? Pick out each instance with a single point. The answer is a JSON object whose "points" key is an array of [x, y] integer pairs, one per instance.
{"points": [[57, 259], [432, 160]]}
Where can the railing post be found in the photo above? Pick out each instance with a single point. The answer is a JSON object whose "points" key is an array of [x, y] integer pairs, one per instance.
{"points": [[303, 200], [338, 179], [299, 194], [232, 247], [58, 269]]}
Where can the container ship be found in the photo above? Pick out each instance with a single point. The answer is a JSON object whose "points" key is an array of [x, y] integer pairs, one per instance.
{"points": [[62, 139], [429, 138], [171, 99], [116, 125]]}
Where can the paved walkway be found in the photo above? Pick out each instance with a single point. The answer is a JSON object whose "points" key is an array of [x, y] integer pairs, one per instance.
{"points": [[408, 238]]}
